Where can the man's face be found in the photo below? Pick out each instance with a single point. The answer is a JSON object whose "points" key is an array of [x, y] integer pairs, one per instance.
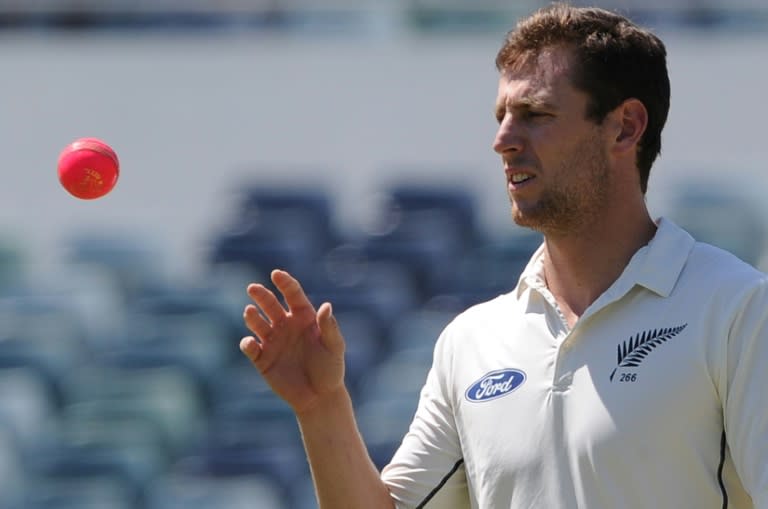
{"points": [[555, 160]]}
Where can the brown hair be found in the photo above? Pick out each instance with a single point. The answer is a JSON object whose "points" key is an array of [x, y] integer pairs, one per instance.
{"points": [[617, 60]]}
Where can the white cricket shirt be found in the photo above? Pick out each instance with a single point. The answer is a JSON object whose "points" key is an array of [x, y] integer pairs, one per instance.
{"points": [[657, 398]]}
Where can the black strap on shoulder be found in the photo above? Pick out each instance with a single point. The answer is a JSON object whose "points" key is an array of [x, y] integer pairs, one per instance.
{"points": [[440, 484], [720, 471]]}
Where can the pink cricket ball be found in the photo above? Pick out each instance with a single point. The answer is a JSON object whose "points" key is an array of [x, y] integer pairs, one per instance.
{"points": [[88, 168]]}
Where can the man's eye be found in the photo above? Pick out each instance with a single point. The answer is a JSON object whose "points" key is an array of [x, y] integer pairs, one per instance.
{"points": [[523, 115]]}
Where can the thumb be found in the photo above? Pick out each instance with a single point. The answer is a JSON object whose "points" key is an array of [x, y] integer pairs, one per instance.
{"points": [[329, 329]]}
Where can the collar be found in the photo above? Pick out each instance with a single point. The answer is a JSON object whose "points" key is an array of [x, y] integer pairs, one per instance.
{"points": [[656, 266]]}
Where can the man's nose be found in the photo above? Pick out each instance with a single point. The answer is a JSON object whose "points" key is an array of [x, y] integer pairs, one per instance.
{"points": [[508, 137]]}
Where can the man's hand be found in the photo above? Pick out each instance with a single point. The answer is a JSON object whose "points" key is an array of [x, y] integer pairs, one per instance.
{"points": [[298, 351]]}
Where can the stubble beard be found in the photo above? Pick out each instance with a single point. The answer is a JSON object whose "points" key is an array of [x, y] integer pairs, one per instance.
{"points": [[570, 207]]}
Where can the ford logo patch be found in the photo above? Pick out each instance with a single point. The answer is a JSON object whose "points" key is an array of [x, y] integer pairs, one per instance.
{"points": [[495, 385]]}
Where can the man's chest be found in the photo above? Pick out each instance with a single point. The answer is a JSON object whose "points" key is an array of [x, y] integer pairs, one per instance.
{"points": [[531, 394]]}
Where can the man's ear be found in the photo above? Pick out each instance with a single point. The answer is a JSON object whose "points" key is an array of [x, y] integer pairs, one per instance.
{"points": [[630, 119]]}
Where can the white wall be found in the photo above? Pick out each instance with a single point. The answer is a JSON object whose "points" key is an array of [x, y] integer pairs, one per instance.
{"points": [[190, 116]]}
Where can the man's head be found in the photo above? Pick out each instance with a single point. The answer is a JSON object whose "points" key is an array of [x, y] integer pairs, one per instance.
{"points": [[614, 61]]}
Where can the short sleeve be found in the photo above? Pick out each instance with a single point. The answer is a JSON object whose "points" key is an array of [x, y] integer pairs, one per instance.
{"points": [[427, 470], [745, 407]]}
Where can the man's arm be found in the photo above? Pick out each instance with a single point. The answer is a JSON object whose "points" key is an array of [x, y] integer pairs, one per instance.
{"points": [[300, 353], [343, 473], [745, 408]]}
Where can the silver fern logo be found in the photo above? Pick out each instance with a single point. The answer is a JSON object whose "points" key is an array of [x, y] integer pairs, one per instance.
{"points": [[633, 352]]}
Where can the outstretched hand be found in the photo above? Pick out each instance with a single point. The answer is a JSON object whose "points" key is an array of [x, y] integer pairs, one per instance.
{"points": [[298, 350]]}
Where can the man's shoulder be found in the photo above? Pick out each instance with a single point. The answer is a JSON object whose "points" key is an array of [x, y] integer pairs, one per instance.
{"points": [[718, 269], [719, 261], [700, 264], [491, 309]]}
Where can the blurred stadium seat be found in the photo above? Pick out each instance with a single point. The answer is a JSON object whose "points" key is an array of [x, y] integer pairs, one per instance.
{"points": [[190, 491], [488, 269], [426, 228], [41, 343], [13, 264], [383, 423], [249, 431], [28, 408], [365, 346], [235, 449], [190, 330], [718, 213], [132, 260], [277, 227], [240, 395], [418, 329], [304, 496], [397, 377], [382, 289], [388, 397], [13, 476], [78, 492], [166, 396], [117, 462]]}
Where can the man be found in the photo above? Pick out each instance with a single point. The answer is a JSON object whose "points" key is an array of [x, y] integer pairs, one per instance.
{"points": [[625, 368]]}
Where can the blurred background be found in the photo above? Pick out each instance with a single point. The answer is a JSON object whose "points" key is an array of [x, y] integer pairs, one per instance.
{"points": [[348, 141]]}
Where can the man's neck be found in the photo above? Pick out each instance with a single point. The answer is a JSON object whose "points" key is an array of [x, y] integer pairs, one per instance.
{"points": [[579, 267]]}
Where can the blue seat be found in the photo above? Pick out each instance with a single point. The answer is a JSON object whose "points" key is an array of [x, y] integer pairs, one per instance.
{"points": [[79, 423], [260, 445], [84, 457], [13, 265], [90, 302], [426, 228], [353, 282], [178, 328], [262, 251], [95, 458], [225, 284], [383, 423], [395, 378], [388, 398], [190, 350], [132, 260], [13, 475], [296, 204], [189, 491], [722, 215], [303, 495], [29, 408], [418, 328], [167, 396], [249, 430], [241, 399], [456, 204], [91, 492], [37, 316], [489, 269], [287, 227], [47, 357], [364, 345]]}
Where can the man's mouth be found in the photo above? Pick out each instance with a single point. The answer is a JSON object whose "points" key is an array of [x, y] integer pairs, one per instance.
{"points": [[519, 178]]}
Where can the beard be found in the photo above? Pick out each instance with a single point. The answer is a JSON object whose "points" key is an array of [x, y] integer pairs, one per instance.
{"points": [[577, 196]]}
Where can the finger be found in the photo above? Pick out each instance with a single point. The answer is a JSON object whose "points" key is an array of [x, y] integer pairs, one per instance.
{"points": [[256, 322], [292, 291], [329, 329], [267, 301], [251, 348]]}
